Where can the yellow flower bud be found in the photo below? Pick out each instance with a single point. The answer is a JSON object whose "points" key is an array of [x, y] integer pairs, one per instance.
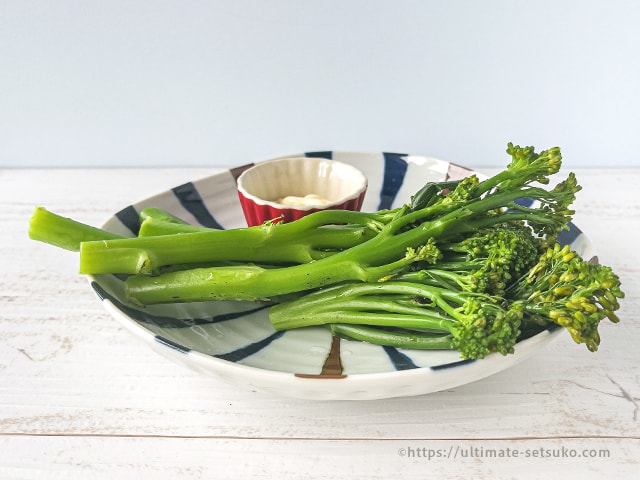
{"points": [[565, 290]]}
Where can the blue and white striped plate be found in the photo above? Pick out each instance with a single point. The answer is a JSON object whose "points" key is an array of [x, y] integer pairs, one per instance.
{"points": [[235, 341]]}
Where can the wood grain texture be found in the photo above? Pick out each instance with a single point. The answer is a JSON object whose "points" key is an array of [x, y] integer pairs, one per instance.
{"points": [[81, 398]]}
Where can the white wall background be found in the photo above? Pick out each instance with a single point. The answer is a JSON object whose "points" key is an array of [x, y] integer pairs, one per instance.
{"points": [[225, 82]]}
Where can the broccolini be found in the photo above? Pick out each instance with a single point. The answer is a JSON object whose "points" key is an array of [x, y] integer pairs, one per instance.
{"points": [[463, 265]]}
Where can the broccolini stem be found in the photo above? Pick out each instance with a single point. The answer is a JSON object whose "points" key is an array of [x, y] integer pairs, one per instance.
{"points": [[377, 336], [153, 227], [313, 237], [254, 244], [48, 227], [160, 214], [362, 303]]}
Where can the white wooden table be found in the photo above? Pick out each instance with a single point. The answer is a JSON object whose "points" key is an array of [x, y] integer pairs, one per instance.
{"points": [[80, 398]]}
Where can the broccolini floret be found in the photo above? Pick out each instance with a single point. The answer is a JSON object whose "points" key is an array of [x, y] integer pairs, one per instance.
{"points": [[489, 260], [564, 289]]}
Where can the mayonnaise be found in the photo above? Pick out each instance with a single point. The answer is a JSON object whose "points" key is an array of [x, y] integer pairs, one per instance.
{"points": [[306, 201]]}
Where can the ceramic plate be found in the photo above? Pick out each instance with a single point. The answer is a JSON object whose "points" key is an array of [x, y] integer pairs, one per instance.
{"points": [[235, 341]]}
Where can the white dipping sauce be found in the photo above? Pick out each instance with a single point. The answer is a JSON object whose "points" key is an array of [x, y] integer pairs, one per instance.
{"points": [[307, 200]]}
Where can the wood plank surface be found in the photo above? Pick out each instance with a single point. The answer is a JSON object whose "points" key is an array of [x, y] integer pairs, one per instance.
{"points": [[81, 398]]}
